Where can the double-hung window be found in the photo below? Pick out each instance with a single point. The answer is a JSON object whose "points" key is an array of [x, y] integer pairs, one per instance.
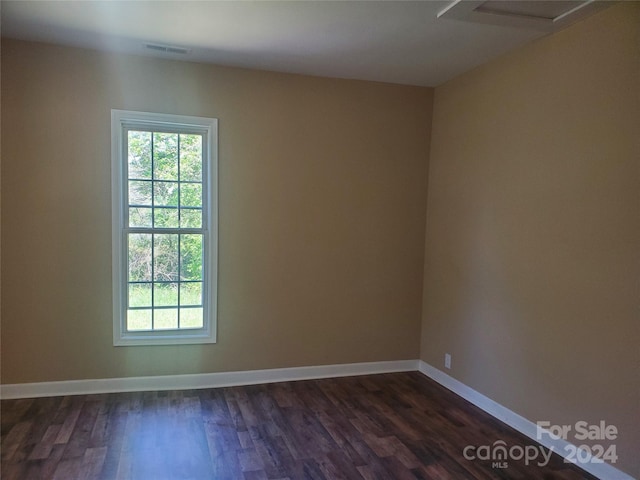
{"points": [[164, 186]]}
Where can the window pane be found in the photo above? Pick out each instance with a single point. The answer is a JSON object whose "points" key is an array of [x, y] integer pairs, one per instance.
{"points": [[140, 295], [190, 218], [165, 318], [165, 294], [139, 257], [139, 192], [191, 318], [165, 218], [165, 193], [139, 149], [138, 320], [191, 257], [165, 156], [165, 257], [140, 217], [191, 293], [191, 157], [191, 195]]}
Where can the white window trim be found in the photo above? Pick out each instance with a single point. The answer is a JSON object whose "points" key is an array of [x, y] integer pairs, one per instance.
{"points": [[209, 126]]}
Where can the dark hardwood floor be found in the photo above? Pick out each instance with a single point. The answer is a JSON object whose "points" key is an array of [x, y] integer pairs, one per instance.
{"points": [[391, 426]]}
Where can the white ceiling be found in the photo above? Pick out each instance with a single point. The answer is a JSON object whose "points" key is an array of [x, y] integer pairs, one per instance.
{"points": [[387, 41]]}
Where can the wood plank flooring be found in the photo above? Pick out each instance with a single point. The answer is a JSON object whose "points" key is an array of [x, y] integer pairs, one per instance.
{"points": [[392, 426]]}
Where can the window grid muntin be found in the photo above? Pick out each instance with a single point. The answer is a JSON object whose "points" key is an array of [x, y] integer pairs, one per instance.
{"points": [[153, 224], [180, 236], [160, 307], [204, 175]]}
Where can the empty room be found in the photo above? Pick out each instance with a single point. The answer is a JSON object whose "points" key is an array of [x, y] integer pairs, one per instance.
{"points": [[282, 240]]}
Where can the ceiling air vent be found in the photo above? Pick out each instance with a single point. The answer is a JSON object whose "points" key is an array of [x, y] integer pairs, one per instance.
{"points": [[166, 48], [536, 14]]}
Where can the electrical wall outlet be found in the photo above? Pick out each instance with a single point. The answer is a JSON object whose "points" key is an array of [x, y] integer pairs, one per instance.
{"points": [[447, 360]]}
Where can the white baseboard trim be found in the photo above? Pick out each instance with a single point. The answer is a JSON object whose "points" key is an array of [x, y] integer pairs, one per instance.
{"points": [[203, 380], [604, 471]]}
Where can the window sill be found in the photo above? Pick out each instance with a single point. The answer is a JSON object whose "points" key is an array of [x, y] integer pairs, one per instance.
{"points": [[169, 338]]}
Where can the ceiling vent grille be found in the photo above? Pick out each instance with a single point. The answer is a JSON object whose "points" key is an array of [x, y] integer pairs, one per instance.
{"points": [[166, 48]]}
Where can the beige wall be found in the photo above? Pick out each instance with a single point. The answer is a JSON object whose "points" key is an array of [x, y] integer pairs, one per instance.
{"points": [[533, 228], [322, 207]]}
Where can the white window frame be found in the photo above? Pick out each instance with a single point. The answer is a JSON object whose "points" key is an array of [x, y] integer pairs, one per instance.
{"points": [[208, 127]]}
